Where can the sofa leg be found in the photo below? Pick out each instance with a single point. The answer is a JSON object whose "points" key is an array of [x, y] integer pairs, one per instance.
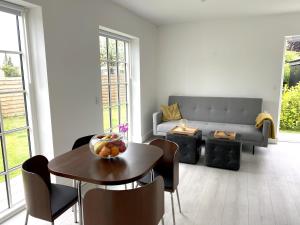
{"points": [[253, 149]]}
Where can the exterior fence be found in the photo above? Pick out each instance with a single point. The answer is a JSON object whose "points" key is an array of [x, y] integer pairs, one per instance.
{"points": [[13, 104]]}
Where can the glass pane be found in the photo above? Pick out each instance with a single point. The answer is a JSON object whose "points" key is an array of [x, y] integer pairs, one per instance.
{"points": [[114, 95], [115, 130], [113, 73], [103, 50], [123, 96], [115, 116], [122, 73], [9, 34], [16, 184], [124, 113], [121, 52], [1, 157], [106, 123], [105, 96], [10, 72], [17, 148], [112, 50], [13, 111], [3, 194], [104, 74]]}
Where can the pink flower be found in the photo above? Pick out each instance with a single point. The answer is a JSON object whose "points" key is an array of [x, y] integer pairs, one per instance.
{"points": [[123, 128]]}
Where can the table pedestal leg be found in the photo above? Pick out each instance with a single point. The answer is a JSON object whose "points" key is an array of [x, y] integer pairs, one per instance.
{"points": [[80, 204]]}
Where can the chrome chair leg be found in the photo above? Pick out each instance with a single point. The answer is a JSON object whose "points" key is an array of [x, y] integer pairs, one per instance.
{"points": [[178, 200], [80, 203], [162, 221], [74, 186], [26, 219], [173, 213], [75, 213], [125, 186], [132, 185]]}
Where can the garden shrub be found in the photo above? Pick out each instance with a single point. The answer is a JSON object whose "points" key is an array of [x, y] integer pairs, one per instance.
{"points": [[290, 108]]}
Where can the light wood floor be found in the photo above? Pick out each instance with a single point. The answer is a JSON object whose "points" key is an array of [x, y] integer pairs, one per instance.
{"points": [[265, 191]]}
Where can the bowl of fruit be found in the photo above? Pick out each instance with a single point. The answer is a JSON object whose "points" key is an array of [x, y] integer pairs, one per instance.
{"points": [[107, 146]]}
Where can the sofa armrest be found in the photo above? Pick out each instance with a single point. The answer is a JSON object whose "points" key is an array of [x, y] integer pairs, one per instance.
{"points": [[266, 131], [157, 118]]}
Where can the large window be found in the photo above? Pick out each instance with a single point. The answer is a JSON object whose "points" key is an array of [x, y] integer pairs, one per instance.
{"points": [[114, 81], [14, 127]]}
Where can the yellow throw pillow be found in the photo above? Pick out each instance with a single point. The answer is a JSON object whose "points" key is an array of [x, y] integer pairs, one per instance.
{"points": [[170, 112]]}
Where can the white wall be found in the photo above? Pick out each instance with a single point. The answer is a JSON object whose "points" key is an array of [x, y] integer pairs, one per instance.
{"points": [[232, 58], [72, 57]]}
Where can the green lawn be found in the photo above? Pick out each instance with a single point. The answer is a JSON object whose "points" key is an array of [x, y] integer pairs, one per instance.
{"points": [[114, 114], [16, 143]]}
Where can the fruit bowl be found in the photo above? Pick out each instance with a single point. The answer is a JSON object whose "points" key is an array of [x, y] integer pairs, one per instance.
{"points": [[107, 146]]}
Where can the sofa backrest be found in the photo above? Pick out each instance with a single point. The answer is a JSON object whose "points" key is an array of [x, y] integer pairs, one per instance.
{"points": [[219, 109]]}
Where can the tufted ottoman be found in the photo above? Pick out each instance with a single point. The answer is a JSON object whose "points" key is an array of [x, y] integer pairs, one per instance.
{"points": [[222, 153], [189, 146]]}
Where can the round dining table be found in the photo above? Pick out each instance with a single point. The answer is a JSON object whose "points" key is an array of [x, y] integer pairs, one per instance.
{"points": [[82, 165]]}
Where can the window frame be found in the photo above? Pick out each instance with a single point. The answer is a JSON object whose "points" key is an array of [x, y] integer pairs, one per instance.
{"points": [[127, 83], [27, 93]]}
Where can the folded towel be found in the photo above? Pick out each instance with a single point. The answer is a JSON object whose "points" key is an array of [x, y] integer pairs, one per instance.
{"points": [[260, 120]]}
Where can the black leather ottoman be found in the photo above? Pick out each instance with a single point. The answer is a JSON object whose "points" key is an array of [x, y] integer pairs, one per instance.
{"points": [[189, 146], [222, 153]]}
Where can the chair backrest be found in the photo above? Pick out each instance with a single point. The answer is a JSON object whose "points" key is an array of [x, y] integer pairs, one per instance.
{"points": [[36, 180], [144, 205], [168, 165], [82, 141]]}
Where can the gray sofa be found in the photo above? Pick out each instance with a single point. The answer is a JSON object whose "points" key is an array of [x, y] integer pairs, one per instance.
{"points": [[217, 113]]}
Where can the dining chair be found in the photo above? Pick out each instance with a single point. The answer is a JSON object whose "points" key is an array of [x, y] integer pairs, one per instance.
{"points": [[168, 168], [144, 205], [45, 200]]}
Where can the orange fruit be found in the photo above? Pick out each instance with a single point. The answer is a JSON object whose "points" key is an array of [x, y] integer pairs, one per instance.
{"points": [[114, 151], [105, 152]]}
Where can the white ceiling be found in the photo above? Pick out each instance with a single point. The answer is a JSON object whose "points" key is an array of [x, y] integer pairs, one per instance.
{"points": [[178, 11]]}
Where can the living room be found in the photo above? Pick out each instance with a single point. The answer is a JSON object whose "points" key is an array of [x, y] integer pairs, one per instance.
{"points": [[205, 49]]}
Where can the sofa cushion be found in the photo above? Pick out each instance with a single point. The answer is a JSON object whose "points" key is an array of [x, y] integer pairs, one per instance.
{"points": [[248, 132]]}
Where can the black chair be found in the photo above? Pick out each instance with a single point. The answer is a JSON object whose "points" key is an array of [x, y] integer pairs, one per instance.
{"points": [[45, 200], [168, 168], [82, 141]]}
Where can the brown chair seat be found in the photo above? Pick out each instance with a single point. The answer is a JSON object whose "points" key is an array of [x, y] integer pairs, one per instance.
{"points": [[62, 197]]}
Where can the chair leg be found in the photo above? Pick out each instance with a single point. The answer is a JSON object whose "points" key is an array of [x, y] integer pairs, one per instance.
{"points": [[178, 200], [75, 213], [26, 219], [52, 223], [253, 150], [173, 213], [74, 186], [162, 221], [125, 186], [132, 185]]}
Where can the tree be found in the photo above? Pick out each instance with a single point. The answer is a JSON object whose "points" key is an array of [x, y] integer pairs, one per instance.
{"points": [[293, 46], [9, 69]]}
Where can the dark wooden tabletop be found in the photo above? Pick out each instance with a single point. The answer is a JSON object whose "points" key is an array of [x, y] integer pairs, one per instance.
{"points": [[80, 164]]}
